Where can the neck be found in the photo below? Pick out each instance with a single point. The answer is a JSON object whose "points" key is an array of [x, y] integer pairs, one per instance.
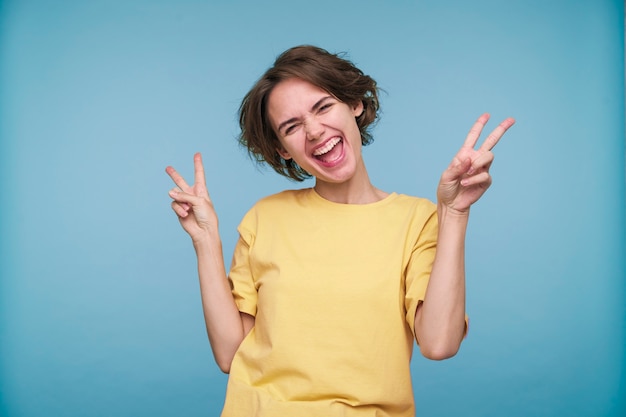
{"points": [[355, 191]]}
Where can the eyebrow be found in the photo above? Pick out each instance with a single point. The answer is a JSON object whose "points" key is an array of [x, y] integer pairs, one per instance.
{"points": [[315, 106]]}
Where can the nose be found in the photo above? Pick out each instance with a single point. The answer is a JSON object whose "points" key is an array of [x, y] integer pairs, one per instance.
{"points": [[314, 129]]}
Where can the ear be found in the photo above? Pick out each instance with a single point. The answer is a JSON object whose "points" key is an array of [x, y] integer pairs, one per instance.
{"points": [[283, 153], [358, 109]]}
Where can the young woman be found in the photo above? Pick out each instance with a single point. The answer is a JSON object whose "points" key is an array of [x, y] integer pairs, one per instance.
{"points": [[330, 285]]}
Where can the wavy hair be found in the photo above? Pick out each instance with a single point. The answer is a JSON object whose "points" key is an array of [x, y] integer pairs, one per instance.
{"points": [[330, 72]]}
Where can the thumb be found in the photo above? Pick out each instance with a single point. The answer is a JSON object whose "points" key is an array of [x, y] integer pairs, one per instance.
{"points": [[184, 198], [456, 169]]}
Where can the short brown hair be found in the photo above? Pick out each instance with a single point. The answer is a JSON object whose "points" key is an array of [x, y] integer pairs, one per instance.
{"points": [[330, 72]]}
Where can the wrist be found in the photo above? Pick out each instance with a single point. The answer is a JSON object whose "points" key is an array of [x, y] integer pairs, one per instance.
{"points": [[450, 214], [203, 241]]}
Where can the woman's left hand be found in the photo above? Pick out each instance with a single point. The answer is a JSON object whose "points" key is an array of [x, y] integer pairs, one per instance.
{"points": [[467, 178]]}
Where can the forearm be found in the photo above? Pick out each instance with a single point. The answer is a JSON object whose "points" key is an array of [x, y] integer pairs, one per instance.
{"points": [[440, 320], [223, 320]]}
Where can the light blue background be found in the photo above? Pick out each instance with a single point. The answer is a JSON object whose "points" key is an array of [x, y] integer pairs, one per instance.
{"points": [[100, 310]]}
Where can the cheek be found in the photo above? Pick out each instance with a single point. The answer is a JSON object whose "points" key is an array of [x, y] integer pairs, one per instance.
{"points": [[350, 124], [290, 144], [335, 120]]}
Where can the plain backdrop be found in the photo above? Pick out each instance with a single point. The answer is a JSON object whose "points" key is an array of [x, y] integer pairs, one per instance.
{"points": [[100, 308]]}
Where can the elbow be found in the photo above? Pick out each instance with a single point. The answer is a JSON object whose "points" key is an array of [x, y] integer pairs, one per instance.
{"points": [[440, 352], [440, 345], [223, 361], [223, 356], [223, 365]]}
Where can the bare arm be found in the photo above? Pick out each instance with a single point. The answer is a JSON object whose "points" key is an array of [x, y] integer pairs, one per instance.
{"points": [[226, 326], [440, 319]]}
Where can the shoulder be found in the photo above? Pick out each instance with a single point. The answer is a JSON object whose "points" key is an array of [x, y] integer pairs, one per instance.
{"points": [[417, 205], [419, 216], [273, 206], [286, 196]]}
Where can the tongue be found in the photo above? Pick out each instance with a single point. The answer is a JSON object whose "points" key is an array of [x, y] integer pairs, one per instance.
{"points": [[333, 154]]}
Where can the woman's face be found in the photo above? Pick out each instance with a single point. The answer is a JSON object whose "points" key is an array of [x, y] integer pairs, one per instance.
{"points": [[316, 130]]}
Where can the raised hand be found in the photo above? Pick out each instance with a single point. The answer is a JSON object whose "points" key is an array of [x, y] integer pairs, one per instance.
{"points": [[192, 204], [467, 177]]}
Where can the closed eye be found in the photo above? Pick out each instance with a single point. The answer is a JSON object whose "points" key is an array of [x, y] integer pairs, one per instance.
{"points": [[290, 129], [325, 107]]}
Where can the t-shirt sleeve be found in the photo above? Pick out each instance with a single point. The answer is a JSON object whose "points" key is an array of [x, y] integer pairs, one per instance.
{"points": [[419, 266], [240, 276]]}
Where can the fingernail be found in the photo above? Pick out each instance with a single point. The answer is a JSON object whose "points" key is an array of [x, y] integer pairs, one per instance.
{"points": [[471, 170]]}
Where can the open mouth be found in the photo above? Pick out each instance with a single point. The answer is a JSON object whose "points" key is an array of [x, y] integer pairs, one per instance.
{"points": [[331, 151]]}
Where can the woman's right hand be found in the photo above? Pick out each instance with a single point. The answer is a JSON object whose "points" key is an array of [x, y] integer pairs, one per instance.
{"points": [[225, 325], [192, 204]]}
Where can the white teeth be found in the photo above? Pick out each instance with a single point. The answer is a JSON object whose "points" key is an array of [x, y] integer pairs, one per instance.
{"points": [[326, 148]]}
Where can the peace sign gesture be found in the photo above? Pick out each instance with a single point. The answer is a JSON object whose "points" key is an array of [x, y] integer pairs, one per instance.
{"points": [[467, 178], [192, 204]]}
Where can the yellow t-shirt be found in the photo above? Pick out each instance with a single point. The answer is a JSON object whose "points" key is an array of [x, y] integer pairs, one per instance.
{"points": [[334, 289]]}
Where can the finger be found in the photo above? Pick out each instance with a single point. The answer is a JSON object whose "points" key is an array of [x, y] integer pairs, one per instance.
{"points": [[474, 133], [185, 198], [198, 168], [177, 178], [179, 209], [497, 133], [481, 162], [199, 176], [456, 169], [483, 179], [459, 166]]}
